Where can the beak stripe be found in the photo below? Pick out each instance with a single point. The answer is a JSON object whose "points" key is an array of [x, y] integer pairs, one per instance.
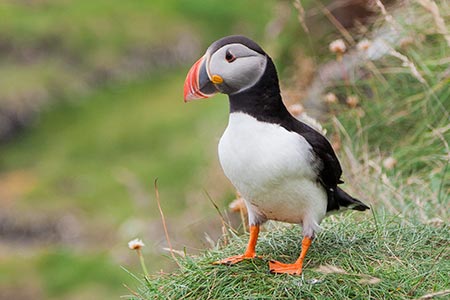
{"points": [[197, 84], [191, 85]]}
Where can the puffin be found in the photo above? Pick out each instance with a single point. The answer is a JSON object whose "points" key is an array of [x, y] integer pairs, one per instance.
{"points": [[284, 169]]}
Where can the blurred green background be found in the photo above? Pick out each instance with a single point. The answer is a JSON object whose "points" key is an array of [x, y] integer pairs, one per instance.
{"points": [[91, 113]]}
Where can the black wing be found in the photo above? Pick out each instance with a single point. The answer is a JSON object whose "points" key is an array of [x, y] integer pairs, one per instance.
{"points": [[329, 168]]}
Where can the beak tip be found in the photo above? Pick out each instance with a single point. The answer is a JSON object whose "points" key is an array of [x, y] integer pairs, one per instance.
{"points": [[193, 96], [186, 93]]}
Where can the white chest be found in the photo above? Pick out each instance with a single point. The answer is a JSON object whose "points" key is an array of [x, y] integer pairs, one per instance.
{"points": [[258, 156], [273, 169]]}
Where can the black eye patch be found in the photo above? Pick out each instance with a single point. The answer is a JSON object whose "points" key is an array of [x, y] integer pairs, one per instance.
{"points": [[229, 56]]}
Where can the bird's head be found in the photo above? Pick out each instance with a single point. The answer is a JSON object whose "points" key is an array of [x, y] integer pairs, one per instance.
{"points": [[230, 65]]}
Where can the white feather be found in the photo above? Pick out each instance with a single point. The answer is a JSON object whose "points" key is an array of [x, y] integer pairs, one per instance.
{"points": [[274, 170]]}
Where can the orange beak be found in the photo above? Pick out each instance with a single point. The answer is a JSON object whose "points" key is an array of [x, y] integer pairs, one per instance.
{"points": [[197, 84]]}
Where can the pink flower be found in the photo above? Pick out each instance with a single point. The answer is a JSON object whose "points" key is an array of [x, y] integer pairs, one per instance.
{"points": [[136, 244], [331, 98], [338, 46], [363, 45], [352, 101], [389, 162]]}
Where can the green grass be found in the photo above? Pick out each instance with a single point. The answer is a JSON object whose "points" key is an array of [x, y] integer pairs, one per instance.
{"points": [[404, 119], [376, 257]]}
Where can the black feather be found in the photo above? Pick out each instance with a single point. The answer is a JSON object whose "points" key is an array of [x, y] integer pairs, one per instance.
{"points": [[348, 201], [235, 39]]}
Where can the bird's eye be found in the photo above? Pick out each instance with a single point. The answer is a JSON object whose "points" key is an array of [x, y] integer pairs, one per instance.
{"points": [[229, 57]]}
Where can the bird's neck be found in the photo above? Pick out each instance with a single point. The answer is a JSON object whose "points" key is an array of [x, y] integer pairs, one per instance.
{"points": [[263, 100]]}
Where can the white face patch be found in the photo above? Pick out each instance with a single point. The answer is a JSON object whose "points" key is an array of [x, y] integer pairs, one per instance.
{"points": [[239, 73]]}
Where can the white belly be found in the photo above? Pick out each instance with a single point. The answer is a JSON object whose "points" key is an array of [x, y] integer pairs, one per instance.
{"points": [[273, 169]]}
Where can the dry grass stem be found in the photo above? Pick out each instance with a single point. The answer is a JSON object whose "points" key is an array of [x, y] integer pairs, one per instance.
{"points": [[344, 32], [407, 63], [136, 294], [434, 295], [330, 269], [438, 20], [301, 14], [179, 252], [389, 19], [163, 219]]}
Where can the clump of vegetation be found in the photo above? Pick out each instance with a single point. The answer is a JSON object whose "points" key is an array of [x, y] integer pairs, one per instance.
{"points": [[391, 130], [379, 258], [398, 133]]}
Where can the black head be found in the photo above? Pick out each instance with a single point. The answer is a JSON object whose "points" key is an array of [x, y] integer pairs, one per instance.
{"points": [[235, 39]]}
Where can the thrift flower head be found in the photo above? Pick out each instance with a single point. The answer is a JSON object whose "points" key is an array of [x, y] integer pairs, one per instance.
{"points": [[363, 45], [331, 98], [352, 101], [338, 46], [296, 109], [136, 244], [389, 163]]}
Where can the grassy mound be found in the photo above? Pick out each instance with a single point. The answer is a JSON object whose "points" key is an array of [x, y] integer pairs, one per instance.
{"points": [[378, 258]]}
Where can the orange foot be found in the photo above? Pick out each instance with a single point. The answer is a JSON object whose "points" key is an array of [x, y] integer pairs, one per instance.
{"points": [[234, 259], [280, 268], [249, 252]]}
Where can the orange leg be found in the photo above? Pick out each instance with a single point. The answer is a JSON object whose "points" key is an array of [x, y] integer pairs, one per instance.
{"points": [[249, 252], [295, 268]]}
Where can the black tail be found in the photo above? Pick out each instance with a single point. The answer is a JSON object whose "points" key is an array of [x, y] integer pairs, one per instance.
{"points": [[345, 200]]}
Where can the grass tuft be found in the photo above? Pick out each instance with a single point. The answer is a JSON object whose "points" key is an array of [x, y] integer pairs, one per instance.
{"points": [[378, 258]]}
